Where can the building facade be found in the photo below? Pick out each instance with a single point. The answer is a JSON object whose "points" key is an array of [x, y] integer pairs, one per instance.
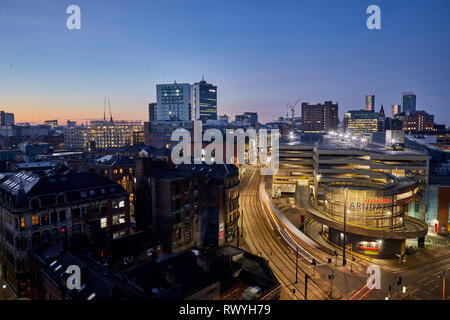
{"points": [[370, 103], [361, 121], [319, 118], [409, 102], [174, 102], [103, 134], [204, 101], [152, 111], [36, 210]]}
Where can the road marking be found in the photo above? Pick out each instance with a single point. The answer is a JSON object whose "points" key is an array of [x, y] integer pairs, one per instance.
{"points": [[422, 280], [428, 283], [414, 291]]}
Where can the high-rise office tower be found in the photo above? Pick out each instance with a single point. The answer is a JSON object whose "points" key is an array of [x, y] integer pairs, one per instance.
{"points": [[370, 103], [152, 114], [173, 101], [319, 118], [6, 119], [409, 102], [204, 101], [396, 109]]}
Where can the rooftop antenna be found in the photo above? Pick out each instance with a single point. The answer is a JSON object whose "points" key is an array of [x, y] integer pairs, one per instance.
{"points": [[110, 114]]}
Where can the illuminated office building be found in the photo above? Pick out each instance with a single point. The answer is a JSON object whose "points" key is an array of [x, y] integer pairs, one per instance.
{"points": [[204, 101], [361, 121], [173, 102], [103, 134]]}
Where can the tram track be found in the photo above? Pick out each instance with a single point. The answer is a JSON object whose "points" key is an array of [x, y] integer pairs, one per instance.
{"points": [[262, 239]]}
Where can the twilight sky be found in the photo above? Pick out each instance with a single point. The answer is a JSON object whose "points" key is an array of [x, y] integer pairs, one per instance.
{"points": [[261, 54]]}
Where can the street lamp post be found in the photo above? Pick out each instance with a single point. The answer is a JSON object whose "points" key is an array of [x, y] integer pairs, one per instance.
{"points": [[442, 276], [345, 234]]}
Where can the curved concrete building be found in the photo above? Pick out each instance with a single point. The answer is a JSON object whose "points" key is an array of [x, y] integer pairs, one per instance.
{"points": [[366, 186]]}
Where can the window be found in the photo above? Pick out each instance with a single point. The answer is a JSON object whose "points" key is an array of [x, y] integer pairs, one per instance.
{"points": [[36, 237], [45, 235], [103, 223], [62, 215], [35, 220], [77, 229], [60, 199], [35, 204], [92, 193], [122, 218], [96, 209], [115, 219], [54, 234], [76, 212], [22, 222], [54, 217], [84, 211], [45, 220], [122, 204], [83, 194]]}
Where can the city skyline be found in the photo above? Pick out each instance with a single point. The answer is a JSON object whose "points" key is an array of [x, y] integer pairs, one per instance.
{"points": [[260, 57]]}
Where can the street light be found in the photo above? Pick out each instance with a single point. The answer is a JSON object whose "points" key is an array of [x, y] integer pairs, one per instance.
{"points": [[4, 291]]}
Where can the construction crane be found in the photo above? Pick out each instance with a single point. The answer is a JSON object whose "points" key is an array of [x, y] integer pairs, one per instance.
{"points": [[292, 109], [110, 114]]}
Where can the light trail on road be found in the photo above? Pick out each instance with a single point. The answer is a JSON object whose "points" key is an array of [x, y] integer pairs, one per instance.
{"points": [[262, 239]]}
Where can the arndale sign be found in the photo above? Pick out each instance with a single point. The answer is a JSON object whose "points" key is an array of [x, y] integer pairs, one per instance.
{"points": [[371, 205]]}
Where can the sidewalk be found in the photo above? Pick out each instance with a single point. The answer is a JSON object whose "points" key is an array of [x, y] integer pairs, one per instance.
{"points": [[418, 259]]}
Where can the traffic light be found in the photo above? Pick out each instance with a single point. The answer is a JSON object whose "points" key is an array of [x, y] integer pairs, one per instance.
{"points": [[399, 282]]}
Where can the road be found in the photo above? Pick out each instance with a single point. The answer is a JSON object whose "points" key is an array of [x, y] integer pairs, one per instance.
{"points": [[262, 240]]}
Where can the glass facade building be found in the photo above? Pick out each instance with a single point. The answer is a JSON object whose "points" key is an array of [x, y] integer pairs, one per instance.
{"points": [[361, 121], [173, 101], [409, 102], [370, 103], [204, 101]]}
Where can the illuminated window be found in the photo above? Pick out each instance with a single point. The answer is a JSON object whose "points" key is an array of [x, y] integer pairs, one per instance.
{"points": [[122, 204], [103, 223], [34, 220], [22, 222]]}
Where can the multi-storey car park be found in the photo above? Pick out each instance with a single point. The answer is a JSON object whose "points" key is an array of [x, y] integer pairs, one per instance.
{"points": [[365, 185]]}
